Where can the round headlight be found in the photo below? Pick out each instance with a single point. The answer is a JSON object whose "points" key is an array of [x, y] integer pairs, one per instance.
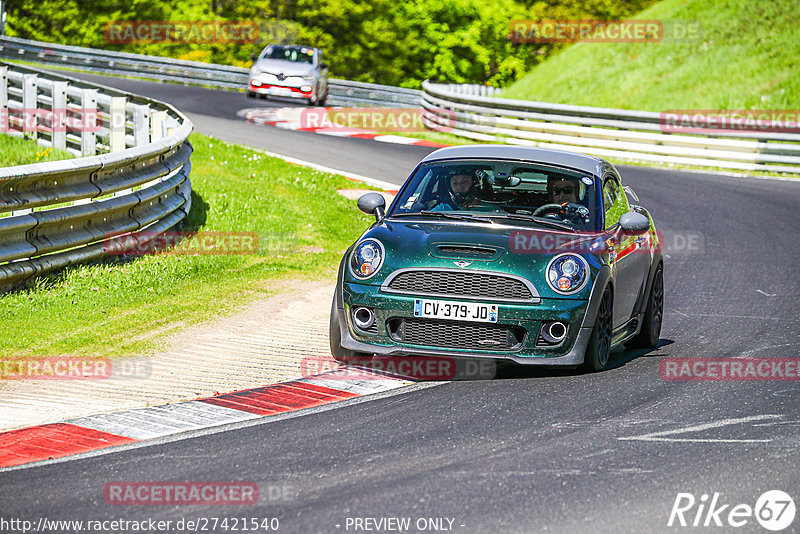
{"points": [[367, 258], [567, 273]]}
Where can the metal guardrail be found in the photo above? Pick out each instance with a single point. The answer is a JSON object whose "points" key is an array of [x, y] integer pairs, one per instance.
{"points": [[341, 92], [616, 133], [133, 180]]}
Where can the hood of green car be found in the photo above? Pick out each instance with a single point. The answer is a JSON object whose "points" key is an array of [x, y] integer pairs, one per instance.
{"points": [[518, 250]]}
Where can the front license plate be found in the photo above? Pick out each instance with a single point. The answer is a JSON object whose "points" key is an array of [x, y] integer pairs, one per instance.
{"points": [[459, 311], [280, 91]]}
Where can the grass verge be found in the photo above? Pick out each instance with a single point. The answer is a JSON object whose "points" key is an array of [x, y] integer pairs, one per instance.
{"points": [[20, 151], [119, 309], [745, 58]]}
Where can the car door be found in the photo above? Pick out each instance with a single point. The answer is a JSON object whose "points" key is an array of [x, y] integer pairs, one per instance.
{"points": [[625, 255]]}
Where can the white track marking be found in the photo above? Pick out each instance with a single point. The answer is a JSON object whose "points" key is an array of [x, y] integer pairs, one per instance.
{"points": [[371, 181], [660, 436]]}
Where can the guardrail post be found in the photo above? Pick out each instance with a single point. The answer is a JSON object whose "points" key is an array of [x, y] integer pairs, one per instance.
{"points": [[157, 119], [116, 131], [59, 115], [30, 104], [170, 125], [89, 120], [3, 99], [141, 125]]}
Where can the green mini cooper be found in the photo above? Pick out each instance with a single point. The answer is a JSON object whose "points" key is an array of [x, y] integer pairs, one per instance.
{"points": [[489, 251]]}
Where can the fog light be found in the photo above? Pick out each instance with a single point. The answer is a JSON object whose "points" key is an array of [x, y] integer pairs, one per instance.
{"points": [[306, 88], [363, 318], [553, 332], [255, 83]]}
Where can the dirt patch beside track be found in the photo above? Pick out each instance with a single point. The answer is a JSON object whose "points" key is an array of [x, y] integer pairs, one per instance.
{"points": [[266, 342]]}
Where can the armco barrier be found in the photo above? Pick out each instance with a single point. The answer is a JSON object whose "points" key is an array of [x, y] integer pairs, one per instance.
{"points": [[341, 92], [133, 178], [615, 133], [472, 111]]}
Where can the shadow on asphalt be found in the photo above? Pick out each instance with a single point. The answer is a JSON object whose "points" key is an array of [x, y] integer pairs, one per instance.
{"points": [[619, 358], [448, 369]]}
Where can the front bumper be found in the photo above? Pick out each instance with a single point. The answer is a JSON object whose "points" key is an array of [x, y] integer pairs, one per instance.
{"points": [[286, 91], [388, 307]]}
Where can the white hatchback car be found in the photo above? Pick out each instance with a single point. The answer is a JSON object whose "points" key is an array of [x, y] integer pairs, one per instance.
{"points": [[291, 71]]}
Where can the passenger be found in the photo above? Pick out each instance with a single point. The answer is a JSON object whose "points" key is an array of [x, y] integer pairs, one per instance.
{"points": [[563, 190]]}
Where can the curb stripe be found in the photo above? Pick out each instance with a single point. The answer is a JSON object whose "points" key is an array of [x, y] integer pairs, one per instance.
{"points": [[55, 440], [282, 398], [286, 118], [85, 434], [139, 425]]}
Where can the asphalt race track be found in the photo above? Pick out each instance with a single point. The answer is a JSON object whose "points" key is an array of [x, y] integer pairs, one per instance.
{"points": [[528, 451]]}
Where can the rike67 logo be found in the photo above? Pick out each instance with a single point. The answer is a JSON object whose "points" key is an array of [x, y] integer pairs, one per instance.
{"points": [[774, 510]]}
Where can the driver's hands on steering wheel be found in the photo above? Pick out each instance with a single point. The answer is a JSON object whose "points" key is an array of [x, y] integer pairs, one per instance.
{"points": [[566, 211]]}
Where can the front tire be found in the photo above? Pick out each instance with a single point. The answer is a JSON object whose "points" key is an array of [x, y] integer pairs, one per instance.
{"points": [[598, 352], [339, 353], [648, 336]]}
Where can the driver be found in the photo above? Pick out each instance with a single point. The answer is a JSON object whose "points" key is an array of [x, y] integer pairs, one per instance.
{"points": [[460, 194]]}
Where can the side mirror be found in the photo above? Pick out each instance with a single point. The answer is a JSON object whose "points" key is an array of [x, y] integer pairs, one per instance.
{"points": [[323, 65], [634, 223], [372, 204], [253, 57], [629, 190]]}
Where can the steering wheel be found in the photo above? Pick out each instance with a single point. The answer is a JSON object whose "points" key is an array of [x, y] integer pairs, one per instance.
{"points": [[541, 211]]}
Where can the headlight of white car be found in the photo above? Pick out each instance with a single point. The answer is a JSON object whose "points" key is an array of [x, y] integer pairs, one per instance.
{"points": [[310, 77], [567, 273], [255, 71]]}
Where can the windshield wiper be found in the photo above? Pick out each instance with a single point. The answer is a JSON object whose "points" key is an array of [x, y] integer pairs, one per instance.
{"points": [[445, 214], [536, 220]]}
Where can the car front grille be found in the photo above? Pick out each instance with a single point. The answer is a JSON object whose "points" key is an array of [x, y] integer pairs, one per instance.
{"points": [[456, 335], [460, 284]]}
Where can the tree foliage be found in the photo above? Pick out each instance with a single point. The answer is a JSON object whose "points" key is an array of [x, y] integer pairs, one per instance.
{"points": [[394, 42]]}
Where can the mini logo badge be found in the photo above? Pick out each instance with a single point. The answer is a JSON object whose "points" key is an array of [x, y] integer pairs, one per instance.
{"points": [[462, 263], [281, 76]]}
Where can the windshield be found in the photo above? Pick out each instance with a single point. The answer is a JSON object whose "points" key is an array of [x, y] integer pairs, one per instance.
{"points": [[498, 189], [295, 54]]}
